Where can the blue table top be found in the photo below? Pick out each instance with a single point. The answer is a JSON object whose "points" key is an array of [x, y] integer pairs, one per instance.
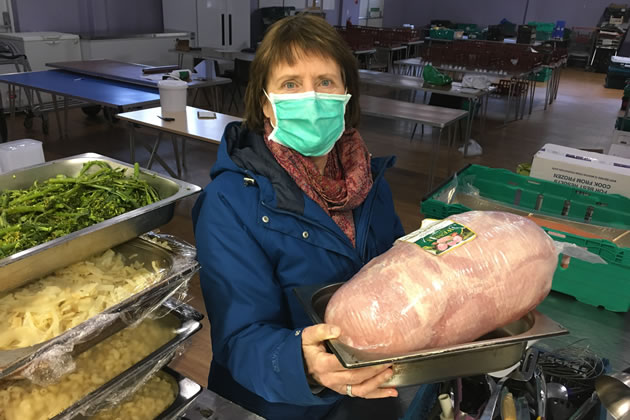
{"points": [[85, 88]]}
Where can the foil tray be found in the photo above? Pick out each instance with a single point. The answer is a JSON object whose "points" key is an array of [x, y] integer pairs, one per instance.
{"points": [[493, 352], [185, 319], [177, 263], [42, 259]]}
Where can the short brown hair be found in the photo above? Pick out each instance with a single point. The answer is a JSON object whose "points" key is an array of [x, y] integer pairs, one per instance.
{"points": [[284, 42]]}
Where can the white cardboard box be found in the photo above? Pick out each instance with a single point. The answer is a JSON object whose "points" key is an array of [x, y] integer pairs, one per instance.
{"points": [[587, 170], [621, 137], [620, 150]]}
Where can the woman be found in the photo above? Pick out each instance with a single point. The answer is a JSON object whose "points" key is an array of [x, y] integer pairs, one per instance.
{"points": [[295, 200]]}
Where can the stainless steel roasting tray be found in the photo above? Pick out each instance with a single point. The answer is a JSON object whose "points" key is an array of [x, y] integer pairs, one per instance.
{"points": [[493, 352], [186, 321], [42, 259], [188, 391], [176, 262]]}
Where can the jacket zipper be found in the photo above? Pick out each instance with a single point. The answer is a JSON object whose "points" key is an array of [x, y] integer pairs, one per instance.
{"points": [[365, 238]]}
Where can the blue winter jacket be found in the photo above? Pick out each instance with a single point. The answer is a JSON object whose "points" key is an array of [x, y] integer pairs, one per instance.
{"points": [[258, 237]]}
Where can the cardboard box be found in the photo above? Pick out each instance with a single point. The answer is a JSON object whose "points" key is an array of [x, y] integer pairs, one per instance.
{"points": [[620, 150], [580, 169], [621, 137]]}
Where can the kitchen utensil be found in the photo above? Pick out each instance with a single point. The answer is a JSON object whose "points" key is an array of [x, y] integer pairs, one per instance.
{"points": [[488, 412], [557, 391], [541, 392], [585, 408], [508, 408], [613, 391], [523, 373]]}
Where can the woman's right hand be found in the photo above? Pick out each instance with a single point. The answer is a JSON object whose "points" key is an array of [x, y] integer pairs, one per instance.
{"points": [[326, 369]]}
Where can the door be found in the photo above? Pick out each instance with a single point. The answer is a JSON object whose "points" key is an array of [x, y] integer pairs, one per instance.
{"points": [[224, 24], [212, 23], [239, 18]]}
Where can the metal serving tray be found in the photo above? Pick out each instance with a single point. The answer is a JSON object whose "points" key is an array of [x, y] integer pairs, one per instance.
{"points": [[177, 265], [493, 352], [188, 391], [187, 322], [42, 259]]}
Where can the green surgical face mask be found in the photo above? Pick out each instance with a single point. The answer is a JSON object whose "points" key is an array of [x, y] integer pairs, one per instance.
{"points": [[310, 122]]}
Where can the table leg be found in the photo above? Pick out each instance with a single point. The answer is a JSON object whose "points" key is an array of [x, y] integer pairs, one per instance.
{"points": [[509, 100], [517, 98], [469, 121], [176, 152], [154, 150], [525, 94], [547, 90], [65, 114], [532, 96], [559, 70], [452, 142], [56, 107], [180, 60], [435, 154], [215, 97], [205, 96], [184, 152], [12, 100], [484, 112], [132, 143]]}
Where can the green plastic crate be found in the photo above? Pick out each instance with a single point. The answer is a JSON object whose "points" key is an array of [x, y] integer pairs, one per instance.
{"points": [[467, 27], [543, 75], [543, 26], [442, 33], [606, 285]]}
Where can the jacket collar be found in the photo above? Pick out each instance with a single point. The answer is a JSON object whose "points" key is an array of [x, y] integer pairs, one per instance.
{"points": [[244, 151]]}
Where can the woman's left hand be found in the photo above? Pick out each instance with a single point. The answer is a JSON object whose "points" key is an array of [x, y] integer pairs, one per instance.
{"points": [[326, 369]]}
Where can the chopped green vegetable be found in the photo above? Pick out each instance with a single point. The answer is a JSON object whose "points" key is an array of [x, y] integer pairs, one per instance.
{"points": [[62, 205]]}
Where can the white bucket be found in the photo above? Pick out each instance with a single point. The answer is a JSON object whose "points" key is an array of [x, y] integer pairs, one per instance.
{"points": [[172, 95], [20, 154]]}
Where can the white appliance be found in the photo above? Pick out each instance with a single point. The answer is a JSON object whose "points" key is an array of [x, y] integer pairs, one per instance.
{"points": [[223, 24], [40, 48], [44, 47]]}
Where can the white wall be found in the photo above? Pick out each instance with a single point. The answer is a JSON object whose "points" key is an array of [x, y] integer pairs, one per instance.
{"points": [[485, 12]]}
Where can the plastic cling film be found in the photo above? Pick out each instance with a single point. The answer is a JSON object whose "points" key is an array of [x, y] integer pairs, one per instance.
{"points": [[122, 388], [24, 400], [407, 300], [147, 402], [574, 251], [48, 307], [32, 362], [49, 366]]}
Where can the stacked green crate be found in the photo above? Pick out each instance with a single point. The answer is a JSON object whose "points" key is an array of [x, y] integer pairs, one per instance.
{"points": [[543, 75], [544, 30], [606, 285], [442, 33]]}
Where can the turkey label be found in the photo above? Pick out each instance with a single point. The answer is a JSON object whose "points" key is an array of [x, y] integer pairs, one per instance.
{"points": [[439, 236]]}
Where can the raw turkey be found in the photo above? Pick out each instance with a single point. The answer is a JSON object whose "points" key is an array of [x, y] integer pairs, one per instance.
{"points": [[408, 299]]}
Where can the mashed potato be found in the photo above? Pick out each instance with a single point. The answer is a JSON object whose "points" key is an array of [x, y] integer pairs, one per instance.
{"points": [[146, 403], [23, 400]]}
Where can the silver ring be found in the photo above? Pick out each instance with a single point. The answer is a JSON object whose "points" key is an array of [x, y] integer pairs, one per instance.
{"points": [[349, 390]]}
